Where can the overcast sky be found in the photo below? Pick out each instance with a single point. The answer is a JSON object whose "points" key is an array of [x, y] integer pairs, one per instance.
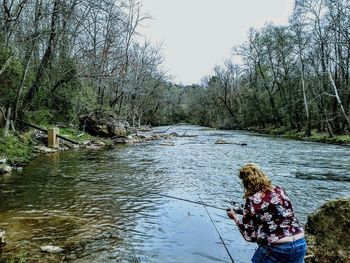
{"points": [[198, 34]]}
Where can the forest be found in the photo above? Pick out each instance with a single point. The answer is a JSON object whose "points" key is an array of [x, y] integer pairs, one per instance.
{"points": [[129, 180], [65, 58]]}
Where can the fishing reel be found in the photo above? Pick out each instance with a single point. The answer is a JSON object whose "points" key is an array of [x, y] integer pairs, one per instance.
{"points": [[237, 208]]}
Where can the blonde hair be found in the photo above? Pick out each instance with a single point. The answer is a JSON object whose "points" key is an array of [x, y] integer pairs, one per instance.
{"points": [[254, 179]]}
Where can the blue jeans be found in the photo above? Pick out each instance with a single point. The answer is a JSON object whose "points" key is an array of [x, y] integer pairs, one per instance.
{"points": [[291, 252]]}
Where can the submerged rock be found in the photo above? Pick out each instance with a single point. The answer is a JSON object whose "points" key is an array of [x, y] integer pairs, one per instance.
{"points": [[167, 144], [222, 141], [119, 140], [174, 134], [327, 232], [5, 169], [145, 136], [328, 176], [44, 149], [51, 249]]}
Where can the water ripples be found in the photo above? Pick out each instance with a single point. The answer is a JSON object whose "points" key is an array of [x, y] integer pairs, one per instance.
{"points": [[102, 206]]}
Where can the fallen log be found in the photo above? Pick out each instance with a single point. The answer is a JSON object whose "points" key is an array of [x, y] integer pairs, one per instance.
{"points": [[44, 130]]}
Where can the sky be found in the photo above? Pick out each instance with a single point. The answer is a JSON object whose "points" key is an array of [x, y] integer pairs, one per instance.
{"points": [[196, 35]]}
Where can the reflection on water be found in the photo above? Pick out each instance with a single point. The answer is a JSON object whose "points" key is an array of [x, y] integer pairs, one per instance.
{"points": [[97, 205]]}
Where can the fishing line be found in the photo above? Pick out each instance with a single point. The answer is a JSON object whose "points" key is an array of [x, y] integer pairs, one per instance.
{"points": [[217, 231], [190, 201], [237, 210], [211, 219]]}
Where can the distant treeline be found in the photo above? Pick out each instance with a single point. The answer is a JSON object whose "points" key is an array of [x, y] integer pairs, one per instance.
{"points": [[60, 59], [294, 76]]}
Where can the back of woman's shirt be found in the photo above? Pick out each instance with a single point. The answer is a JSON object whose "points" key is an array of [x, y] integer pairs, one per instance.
{"points": [[268, 216]]}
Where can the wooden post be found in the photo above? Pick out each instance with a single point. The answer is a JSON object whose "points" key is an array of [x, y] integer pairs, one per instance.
{"points": [[52, 139]]}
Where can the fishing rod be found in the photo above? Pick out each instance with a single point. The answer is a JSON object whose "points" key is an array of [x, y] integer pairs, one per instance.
{"points": [[217, 231], [237, 210]]}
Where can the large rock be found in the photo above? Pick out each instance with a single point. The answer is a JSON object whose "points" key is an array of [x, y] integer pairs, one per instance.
{"points": [[328, 232], [104, 124], [4, 169]]}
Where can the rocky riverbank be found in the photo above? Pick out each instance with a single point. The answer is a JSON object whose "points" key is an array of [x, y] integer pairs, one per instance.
{"points": [[316, 136], [327, 231], [16, 150]]}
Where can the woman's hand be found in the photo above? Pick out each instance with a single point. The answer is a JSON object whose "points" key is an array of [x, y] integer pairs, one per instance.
{"points": [[231, 214]]}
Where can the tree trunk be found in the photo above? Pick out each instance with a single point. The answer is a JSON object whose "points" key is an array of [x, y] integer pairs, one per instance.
{"points": [[7, 63], [46, 60], [8, 122], [339, 100]]}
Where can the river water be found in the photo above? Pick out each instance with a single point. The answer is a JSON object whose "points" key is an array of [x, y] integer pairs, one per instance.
{"points": [[100, 206]]}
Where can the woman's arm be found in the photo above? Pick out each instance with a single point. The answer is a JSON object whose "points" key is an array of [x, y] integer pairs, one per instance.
{"points": [[246, 225]]}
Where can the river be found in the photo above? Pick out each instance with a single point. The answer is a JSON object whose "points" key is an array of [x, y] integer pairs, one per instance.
{"points": [[99, 205]]}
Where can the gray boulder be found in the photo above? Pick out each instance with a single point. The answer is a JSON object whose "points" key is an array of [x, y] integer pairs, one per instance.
{"points": [[104, 124]]}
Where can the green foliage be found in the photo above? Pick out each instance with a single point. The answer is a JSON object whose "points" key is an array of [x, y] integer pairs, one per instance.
{"points": [[40, 117], [16, 149], [323, 137]]}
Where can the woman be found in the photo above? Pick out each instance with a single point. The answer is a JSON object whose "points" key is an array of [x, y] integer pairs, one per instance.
{"points": [[268, 219]]}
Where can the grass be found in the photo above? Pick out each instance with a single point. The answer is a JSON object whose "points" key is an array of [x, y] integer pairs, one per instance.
{"points": [[16, 149], [80, 136], [75, 135], [337, 139], [315, 136], [14, 260], [20, 258]]}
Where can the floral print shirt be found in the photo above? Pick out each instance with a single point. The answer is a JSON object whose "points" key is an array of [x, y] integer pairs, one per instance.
{"points": [[268, 216]]}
